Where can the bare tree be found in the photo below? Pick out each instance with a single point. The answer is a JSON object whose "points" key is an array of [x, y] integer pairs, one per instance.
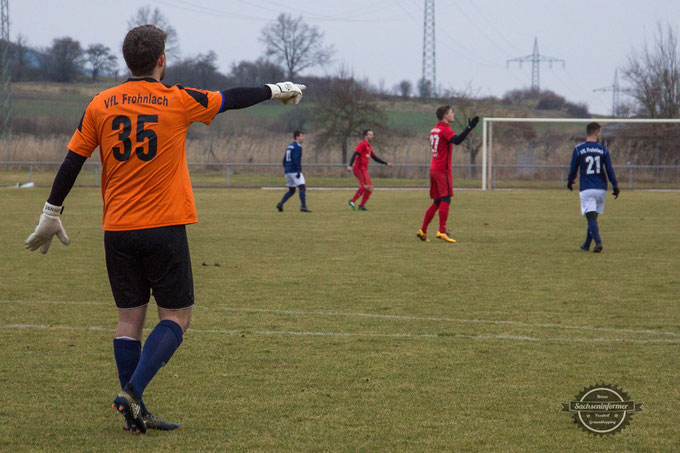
{"points": [[198, 72], [654, 75], [101, 60], [295, 44], [64, 59], [347, 108], [404, 88], [145, 15], [256, 72], [20, 58]]}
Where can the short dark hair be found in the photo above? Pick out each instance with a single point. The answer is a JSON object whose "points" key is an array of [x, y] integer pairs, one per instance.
{"points": [[142, 48], [366, 131], [443, 110], [591, 128], [296, 134]]}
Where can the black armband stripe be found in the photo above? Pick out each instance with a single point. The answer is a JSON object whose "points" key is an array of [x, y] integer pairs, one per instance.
{"points": [[199, 97]]}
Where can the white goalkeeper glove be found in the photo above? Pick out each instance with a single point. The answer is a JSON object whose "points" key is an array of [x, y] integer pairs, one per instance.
{"points": [[287, 92], [48, 225]]}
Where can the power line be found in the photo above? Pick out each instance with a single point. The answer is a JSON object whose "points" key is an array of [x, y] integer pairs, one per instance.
{"points": [[536, 59], [348, 16], [494, 27]]}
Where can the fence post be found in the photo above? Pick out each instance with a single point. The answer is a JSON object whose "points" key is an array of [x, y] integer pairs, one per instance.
{"points": [[96, 176], [228, 172], [562, 178], [30, 173], [630, 176]]}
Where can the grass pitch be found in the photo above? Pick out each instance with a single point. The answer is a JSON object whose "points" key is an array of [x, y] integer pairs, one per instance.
{"points": [[340, 331]]}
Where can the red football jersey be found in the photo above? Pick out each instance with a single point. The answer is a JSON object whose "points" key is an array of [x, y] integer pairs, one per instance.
{"points": [[365, 152], [442, 148]]}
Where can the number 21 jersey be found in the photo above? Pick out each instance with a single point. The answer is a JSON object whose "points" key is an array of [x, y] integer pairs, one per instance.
{"points": [[591, 160], [140, 127]]}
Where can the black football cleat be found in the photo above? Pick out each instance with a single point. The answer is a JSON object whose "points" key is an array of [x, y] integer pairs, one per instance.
{"points": [[362, 208], [129, 407], [279, 206], [598, 247], [153, 422], [305, 209], [584, 248]]}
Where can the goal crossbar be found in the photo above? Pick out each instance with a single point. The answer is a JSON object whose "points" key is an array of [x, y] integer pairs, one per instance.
{"points": [[487, 133]]}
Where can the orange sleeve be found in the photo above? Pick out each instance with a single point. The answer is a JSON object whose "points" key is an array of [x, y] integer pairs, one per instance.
{"points": [[200, 105], [85, 139]]}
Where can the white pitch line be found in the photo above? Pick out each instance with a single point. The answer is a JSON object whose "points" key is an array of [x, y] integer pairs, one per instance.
{"points": [[371, 335], [398, 317], [454, 320], [57, 302]]}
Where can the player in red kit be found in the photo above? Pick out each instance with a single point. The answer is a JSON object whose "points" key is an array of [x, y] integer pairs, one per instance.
{"points": [[442, 139], [359, 165]]}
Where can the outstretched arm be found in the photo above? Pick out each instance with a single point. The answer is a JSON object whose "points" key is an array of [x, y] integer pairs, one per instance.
{"points": [[242, 97], [458, 139]]}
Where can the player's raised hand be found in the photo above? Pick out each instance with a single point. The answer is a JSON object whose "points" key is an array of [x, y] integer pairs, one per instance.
{"points": [[287, 92], [473, 122], [616, 192], [48, 225], [349, 168], [570, 185], [389, 164]]}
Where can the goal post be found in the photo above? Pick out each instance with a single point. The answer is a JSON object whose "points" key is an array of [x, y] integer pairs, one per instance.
{"points": [[487, 135]]}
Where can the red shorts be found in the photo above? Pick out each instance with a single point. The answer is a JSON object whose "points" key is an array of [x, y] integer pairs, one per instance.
{"points": [[362, 176], [441, 184]]}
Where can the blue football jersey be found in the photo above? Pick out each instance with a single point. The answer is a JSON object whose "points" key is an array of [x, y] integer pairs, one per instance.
{"points": [[292, 160], [592, 159]]}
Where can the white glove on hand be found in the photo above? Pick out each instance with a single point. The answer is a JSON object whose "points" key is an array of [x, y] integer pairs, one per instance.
{"points": [[287, 92], [48, 225]]}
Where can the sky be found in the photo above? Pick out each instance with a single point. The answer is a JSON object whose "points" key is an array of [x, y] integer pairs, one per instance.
{"points": [[382, 40]]}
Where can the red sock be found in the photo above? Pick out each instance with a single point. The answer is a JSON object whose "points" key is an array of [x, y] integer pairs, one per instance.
{"points": [[443, 216], [364, 199], [429, 215], [358, 194]]}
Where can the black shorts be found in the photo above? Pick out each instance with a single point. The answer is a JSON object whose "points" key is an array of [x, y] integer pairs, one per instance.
{"points": [[155, 259]]}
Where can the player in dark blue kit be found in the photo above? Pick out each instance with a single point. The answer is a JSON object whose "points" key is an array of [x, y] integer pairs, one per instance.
{"points": [[593, 160], [292, 164]]}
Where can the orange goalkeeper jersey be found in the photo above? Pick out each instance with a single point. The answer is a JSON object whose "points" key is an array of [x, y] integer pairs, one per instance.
{"points": [[140, 127]]}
